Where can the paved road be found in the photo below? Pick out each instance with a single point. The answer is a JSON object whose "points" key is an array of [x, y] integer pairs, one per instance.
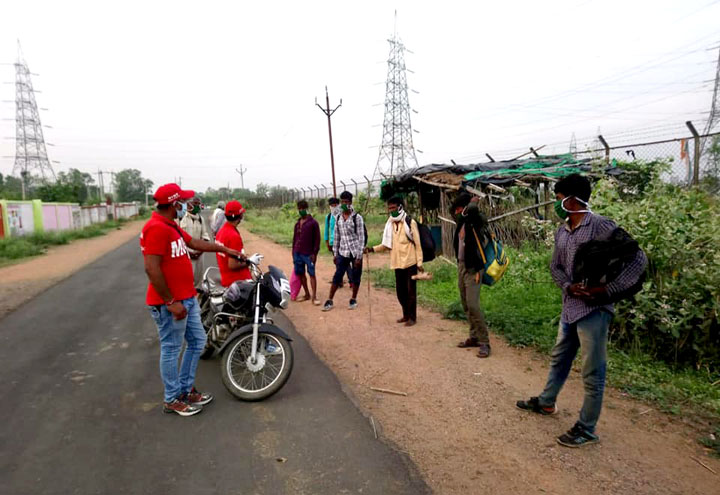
{"points": [[82, 409]]}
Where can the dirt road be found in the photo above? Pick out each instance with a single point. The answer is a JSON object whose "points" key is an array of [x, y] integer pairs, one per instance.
{"points": [[459, 423]]}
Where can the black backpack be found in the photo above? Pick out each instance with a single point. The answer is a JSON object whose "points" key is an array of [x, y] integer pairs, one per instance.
{"points": [[427, 243], [600, 261]]}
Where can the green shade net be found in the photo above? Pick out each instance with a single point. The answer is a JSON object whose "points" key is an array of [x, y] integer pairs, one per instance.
{"points": [[539, 167]]}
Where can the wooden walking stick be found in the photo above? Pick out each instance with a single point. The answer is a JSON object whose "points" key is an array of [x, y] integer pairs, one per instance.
{"points": [[368, 286]]}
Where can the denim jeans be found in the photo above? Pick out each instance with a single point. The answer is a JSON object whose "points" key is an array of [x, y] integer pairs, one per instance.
{"points": [[172, 332], [590, 335]]}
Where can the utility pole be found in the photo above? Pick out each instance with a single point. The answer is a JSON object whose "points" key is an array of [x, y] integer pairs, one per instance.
{"points": [[329, 113], [241, 171]]}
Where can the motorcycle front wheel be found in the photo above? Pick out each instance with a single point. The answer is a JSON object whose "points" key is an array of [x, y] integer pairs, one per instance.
{"points": [[250, 381]]}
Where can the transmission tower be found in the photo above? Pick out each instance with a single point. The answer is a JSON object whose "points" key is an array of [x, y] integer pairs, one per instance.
{"points": [[573, 145], [396, 151], [714, 117], [30, 151]]}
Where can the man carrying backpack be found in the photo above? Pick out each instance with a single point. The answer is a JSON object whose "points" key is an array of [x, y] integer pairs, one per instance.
{"points": [[350, 241], [470, 237], [586, 312], [402, 237]]}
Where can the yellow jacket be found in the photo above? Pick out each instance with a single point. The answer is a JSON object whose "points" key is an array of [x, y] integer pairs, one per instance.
{"points": [[404, 253]]}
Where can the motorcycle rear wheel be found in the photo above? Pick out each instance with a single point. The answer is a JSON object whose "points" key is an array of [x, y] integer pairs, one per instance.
{"points": [[271, 371]]}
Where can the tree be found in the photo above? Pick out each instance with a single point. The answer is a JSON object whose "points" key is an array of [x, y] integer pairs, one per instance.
{"points": [[130, 185], [10, 187], [72, 186]]}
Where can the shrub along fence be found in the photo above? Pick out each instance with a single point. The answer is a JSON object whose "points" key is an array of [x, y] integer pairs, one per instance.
{"points": [[20, 218]]}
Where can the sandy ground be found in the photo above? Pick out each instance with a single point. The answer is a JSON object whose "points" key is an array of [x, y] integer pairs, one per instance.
{"points": [[22, 281], [459, 422]]}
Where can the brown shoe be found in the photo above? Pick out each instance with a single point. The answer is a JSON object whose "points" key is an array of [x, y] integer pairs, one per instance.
{"points": [[402, 320], [483, 350], [410, 323], [470, 342]]}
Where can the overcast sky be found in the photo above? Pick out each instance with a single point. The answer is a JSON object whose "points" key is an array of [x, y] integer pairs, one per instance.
{"points": [[194, 89]]}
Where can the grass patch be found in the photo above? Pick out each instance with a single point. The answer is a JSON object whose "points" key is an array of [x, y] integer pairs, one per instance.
{"points": [[16, 248], [277, 224]]}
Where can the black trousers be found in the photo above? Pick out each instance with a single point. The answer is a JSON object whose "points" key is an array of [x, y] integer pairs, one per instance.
{"points": [[406, 290]]}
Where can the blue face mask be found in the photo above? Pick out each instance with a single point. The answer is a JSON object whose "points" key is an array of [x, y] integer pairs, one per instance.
{"points": [[181, 213]]}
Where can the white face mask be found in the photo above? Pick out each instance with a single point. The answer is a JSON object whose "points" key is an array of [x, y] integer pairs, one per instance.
{"points": [[587, 205]]}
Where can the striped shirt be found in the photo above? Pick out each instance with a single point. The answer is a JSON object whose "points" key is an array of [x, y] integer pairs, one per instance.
{"points": [[567, 243]]}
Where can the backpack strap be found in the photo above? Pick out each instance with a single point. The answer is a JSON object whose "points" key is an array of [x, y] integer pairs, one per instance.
{"points": [[480, 248]]}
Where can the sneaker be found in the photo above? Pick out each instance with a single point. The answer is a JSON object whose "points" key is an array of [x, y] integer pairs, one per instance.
{"points": [[181, 407], [197, 398], [316, 302], [353, 304], [533, 405], [577, 437], [328, 305]]}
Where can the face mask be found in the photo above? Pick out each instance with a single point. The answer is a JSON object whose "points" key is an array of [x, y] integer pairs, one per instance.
{"points": [[302, 212], [395, 214], [334, 210], [560, 211], [346, 208], [564, 213], [196, 209], [182, 212]]}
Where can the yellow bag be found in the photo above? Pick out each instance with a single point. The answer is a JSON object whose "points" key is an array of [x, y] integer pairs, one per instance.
{"points": [[495, 259]]}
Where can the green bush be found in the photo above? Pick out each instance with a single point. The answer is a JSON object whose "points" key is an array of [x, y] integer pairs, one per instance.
{"points": [[675, 317]]}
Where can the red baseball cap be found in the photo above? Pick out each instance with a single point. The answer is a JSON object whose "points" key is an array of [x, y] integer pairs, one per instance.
{"points": [[233, 208], [169, 193]]}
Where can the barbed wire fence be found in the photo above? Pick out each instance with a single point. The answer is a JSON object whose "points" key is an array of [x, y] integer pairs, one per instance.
{"points": [[689, 153]]}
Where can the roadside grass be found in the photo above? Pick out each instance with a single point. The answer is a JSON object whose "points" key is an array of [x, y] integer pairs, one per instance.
{"points": [[525, 306], [277, 224], [13, 249]]}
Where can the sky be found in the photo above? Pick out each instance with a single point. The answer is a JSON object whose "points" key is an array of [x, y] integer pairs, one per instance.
{"points": [[197, 89]]}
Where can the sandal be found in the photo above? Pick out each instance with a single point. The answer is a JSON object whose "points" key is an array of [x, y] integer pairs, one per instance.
{"points": [[302, 299]]}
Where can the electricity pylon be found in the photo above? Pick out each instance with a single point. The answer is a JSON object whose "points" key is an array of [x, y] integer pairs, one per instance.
{"points": [[30, 150], [396, 151]]}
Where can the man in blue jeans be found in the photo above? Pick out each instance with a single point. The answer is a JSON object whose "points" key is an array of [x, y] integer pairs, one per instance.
{"points": [[171, 298], [305, 248], [584, 323]]}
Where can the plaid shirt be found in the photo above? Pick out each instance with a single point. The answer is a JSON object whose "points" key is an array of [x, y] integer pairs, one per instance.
{"points": [[563, 259], [349, 236]]}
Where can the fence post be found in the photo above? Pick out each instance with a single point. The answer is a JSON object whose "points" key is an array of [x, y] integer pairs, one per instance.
{"points": [[607, 148], [368, 190], [344, 186], [356, 186], [696, 156], [318, 191]]}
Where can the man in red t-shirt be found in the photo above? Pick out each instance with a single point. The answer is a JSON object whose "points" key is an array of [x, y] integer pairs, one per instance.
{"points": [[171, 298], [230, 268]]}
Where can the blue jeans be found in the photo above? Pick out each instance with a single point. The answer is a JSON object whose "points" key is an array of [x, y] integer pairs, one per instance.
{"points": [[300, 261], [590, 335], [172, 332]]}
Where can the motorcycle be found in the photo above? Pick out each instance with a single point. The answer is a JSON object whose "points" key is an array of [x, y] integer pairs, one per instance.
{"points": [[257, 357]]}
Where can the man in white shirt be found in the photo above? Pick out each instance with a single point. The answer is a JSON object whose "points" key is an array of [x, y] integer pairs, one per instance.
{"points": [[193, 224], [218, 218]]}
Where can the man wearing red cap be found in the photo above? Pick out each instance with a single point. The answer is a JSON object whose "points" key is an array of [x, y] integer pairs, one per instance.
{"points": [[171, 298], [230, 268]]}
